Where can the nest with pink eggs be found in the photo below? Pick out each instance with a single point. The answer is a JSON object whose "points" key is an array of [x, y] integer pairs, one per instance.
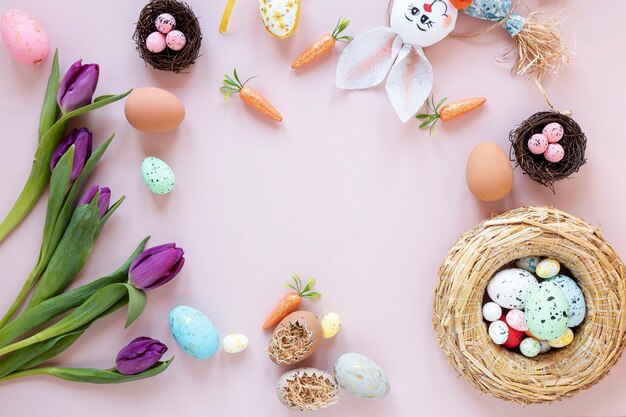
{"points": [[186, 22], [494, 244], [537, 167]]}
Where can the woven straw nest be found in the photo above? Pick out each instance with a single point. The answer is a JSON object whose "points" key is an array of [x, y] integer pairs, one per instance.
{"points": [[495, 243], [186, 22], [537, 167]]}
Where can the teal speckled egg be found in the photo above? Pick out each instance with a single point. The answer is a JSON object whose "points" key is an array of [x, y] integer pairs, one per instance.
{"points": [[547, 311], [157, 175], [360, 376], [528, 263], [194, 332], [575, 299]]}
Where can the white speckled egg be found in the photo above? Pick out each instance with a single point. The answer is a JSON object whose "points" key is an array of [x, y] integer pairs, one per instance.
{"points": [[176, 40], [331, 323], [544, 346], [235, 343], [157, 175], [164, 23], [529, 263], [575, 299], [24, 37], [563, 340], [553, 132], [194, 332], [492, 311], [530, 347], [548, 268], [517, 320], [360, 376], [498, 332], [280, 17], [509, 287], [155, 42]]}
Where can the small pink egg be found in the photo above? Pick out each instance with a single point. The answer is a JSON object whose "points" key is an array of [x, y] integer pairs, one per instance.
{"points": [[517, 320], [165, 22], [538, 144], [176, 40], [155, 42], [24, 37], [554, 153], [554, 132]]}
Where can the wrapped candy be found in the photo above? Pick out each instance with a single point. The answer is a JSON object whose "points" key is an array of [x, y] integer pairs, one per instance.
{"points": [[395, 53]]}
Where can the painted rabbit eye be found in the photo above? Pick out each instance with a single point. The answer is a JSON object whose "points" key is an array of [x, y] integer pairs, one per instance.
{"points": [[414, 10]]}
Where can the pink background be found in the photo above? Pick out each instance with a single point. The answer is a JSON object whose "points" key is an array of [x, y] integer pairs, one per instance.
{"points": [[340, 190]]}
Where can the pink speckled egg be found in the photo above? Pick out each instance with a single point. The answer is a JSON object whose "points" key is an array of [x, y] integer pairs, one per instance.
{"points": [[165, 23], [554, 153], [517, 320], [554, 132], [176, 40], [24, 38], [537, 144], [155, 42]]}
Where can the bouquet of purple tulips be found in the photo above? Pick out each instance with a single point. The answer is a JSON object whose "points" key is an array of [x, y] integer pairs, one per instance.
{"points": [[45, 319]]}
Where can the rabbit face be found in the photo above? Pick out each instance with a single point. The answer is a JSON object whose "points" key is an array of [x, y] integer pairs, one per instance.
{"points": [[423, 23]]}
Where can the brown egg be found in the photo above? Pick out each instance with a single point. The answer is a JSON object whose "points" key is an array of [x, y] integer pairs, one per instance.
{"points": [[153, 110], [489, 172], [307, 389], [295, 338]]}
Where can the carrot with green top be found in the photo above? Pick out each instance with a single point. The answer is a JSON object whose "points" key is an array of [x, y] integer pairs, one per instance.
{"points": [[291, 301], [254, 99], [323, 45], [449, 111]]}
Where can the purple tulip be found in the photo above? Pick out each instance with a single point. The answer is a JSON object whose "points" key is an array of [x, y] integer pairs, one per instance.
{"points": [[103, 201], [77, 86], [82, 140], [139, 355], [156, 266]]}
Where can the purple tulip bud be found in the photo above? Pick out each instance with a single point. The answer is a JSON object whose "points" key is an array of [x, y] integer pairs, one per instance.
{"points": [[77, 86], [103, 201], [156, 266], [139, 355], [82, 140]]}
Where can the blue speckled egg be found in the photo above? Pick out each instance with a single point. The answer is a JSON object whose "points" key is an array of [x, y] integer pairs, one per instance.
{"points": [[194, 332], [529, 263], [547, 311], [360, 376], [575, 299], [157, 175]]}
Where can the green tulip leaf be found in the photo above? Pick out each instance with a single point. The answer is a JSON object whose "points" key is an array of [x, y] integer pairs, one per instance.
{"points": [[136, 304], [50, 109]]}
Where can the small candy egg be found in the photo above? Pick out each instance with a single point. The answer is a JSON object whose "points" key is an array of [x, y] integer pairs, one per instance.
{"points": [[553, 132], [563, 340], [176, 40], [24, 37], [529, 263], [331, 323], [492, 311], [537, 144], [517, 320], [548, 268], [235, 343], [530, 347], [165, 22], [157, 175], [194, 332], [499, 332], [515, 336], [155, 42], [554, 153], [544, 346]]}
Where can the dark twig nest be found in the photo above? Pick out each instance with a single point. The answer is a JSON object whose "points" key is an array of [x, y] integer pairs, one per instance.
{"points": [[186, 22], [546, 173]]}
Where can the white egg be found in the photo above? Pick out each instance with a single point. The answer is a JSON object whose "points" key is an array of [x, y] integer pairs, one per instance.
{"points": [[498, 332], [509, 287], [575, 299], [530, 347], [235, 343], [360, 376], [492, 311]]}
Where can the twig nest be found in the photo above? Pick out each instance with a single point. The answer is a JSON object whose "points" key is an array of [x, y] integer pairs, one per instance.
{"points": [[307, 389], [463, 334], [183, 43], [548, 163]]}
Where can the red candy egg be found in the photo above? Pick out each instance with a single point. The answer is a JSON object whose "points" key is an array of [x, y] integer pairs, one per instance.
{"points": [[515, 336]]}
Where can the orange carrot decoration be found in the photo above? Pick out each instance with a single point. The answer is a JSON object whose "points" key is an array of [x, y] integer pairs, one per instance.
{"points": [[249, 96], [450, 111], [291, 301], [323, 45]]}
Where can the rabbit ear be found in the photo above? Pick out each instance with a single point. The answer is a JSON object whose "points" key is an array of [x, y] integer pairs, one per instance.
{"points": [[410, 82], [366, 61]]}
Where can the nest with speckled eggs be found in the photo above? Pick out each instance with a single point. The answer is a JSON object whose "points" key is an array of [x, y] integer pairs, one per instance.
{"points": [[540, 170], [495, 243], [186, 22]]}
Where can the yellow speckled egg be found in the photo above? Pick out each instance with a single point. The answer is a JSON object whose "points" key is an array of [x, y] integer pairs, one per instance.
{"points": [[563, 340], [280, 17], [235, 343], [548, 268], [331, 323]]}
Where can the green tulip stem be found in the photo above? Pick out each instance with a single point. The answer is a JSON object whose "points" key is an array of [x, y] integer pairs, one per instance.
{"points": [[28, 372]]}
